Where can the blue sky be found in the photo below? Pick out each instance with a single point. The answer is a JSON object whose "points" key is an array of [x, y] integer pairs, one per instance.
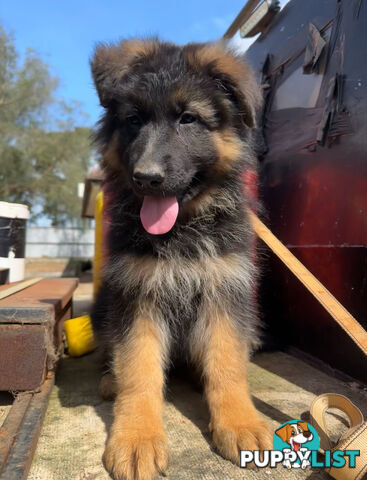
{"points": [[64, 32]]}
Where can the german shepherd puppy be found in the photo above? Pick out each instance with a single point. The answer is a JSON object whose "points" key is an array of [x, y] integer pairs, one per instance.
{"points": [[179, 283]]}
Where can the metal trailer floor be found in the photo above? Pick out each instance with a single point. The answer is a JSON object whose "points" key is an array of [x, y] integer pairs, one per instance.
{"points": [[77, 420]]}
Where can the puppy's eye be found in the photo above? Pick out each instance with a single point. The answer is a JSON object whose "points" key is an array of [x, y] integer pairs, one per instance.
{"points": [[293, 432], [134, 120], [187, 118]]}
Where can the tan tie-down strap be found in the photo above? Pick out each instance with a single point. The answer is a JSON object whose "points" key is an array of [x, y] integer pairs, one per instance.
{"points": [[321, 293], [333, 400], [355, 438]]}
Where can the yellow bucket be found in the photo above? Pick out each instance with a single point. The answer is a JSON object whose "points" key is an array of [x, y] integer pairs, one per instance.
{"points": [[79, 335]]}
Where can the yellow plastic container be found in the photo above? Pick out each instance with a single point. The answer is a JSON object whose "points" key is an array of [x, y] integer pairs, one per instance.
{"points": [[79, 335]]}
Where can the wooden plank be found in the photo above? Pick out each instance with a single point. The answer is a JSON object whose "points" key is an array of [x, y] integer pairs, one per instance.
{"points": [[31, 332], [23, 356], [39, 303], [241, 18], [18, 287], [349, 324]]}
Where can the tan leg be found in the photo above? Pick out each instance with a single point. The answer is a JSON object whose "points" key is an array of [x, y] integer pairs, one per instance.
{"points": [[235, 423], [136, 447]]}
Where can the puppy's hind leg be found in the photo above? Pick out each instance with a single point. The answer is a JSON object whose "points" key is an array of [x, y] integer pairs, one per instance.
{"points": [[107, 386], [136, 447]]}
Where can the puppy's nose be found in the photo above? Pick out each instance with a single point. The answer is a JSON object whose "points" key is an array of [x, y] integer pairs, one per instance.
{"points": [[307, 433], [148, 179]]}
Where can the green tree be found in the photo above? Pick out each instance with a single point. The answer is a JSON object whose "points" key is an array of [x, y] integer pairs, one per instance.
{"points": [[43, 154]]}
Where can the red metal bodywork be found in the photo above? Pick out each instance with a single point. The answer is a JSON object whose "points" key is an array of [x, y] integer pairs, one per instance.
{"points": [[313, 175]]}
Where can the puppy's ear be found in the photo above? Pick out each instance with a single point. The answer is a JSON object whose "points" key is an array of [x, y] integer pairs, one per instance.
{"points": [[111, 62], [232, 74], [283, 433], [303, 425]]}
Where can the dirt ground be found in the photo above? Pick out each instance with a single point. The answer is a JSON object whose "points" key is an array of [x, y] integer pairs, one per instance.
{"points": [[77, 420]]}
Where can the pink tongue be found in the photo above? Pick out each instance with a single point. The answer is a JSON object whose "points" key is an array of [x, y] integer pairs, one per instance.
{"points": [[158, 215], [296, 446]]}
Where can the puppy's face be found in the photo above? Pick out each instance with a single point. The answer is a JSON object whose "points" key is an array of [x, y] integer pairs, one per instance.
{"points": [[163, 141], [295, 434], [175, 116]]}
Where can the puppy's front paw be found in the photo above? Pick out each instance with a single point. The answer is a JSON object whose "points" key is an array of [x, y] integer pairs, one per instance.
{"points": [[230, 437], [135, 456]]}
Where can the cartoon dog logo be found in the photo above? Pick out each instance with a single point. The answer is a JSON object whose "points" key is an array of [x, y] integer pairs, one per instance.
{"points": [[296, 435]]}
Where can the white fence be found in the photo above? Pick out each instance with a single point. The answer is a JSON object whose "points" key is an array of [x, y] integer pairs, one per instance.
{"points": [[59, 242]]}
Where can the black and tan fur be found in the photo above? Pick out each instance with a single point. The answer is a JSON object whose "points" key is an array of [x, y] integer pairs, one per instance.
{"points": [[186, 295]]}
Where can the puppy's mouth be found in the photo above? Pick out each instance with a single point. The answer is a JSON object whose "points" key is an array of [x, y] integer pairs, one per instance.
{"points": [[158, 214], [296, 446]]}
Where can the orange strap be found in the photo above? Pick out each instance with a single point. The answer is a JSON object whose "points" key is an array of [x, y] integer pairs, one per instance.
{"points": [[322, 294]]}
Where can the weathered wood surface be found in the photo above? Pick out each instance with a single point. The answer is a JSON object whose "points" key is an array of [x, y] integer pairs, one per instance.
{"points": [[31, 332]]}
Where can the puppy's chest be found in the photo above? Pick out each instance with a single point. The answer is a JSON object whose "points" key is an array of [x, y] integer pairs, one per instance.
{"points": [[178, 280], [175, 279]]}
